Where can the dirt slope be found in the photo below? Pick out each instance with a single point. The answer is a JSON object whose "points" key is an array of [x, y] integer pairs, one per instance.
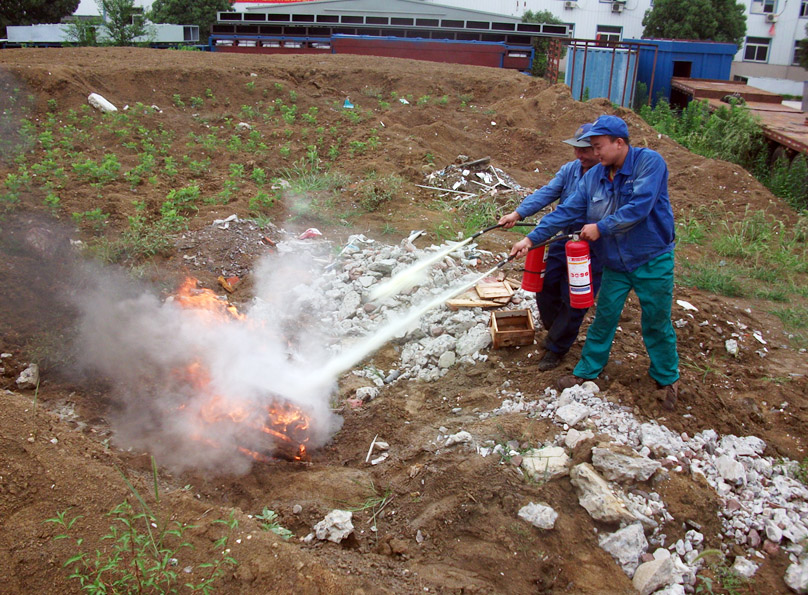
{"points": [[56, 449]]}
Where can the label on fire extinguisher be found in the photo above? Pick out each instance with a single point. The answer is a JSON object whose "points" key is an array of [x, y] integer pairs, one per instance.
{"points": [[578, 268]]}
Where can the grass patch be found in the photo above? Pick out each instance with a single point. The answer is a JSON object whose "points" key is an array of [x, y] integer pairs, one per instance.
{"points": [[141, 549], [710, 276]]}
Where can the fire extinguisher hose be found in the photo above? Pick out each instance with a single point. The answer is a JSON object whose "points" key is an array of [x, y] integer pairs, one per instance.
{"points": [[493, 227], [566, 236]]}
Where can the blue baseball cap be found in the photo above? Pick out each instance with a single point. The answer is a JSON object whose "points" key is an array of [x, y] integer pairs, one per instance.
{"points": [[607, 126], [576, 140]]}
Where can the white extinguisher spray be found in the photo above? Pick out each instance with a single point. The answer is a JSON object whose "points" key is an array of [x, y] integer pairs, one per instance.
{"points": [[579, 270]]}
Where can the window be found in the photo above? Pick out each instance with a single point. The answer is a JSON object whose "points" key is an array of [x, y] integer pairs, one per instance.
{"points": [[795, 61], [757, 49], [740, 79], [804, 8], [608, 33], [763, 6]]}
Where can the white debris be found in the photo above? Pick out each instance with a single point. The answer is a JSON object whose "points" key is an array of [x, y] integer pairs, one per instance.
{"points": [[225, 223], [539, 515], [335, 527], [730, 469], [595, 495], [652, 575], [625, 546], [687, 306], [100, 103], [367, 393], [462, 437], [623, 464], [572, 414], [574, 437], [731, 345], [29, 377], [743, 567], [797, 576], [544, 464]]}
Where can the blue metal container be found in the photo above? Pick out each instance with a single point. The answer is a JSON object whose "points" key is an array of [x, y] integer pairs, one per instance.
{"points": [[602, 72]]}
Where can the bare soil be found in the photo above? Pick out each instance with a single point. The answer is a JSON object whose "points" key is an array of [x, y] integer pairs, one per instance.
{"points": [[56, 449]]}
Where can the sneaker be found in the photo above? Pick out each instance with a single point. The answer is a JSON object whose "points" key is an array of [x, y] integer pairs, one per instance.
{"points": [[671, 395], [568, 382], [550, 360]]}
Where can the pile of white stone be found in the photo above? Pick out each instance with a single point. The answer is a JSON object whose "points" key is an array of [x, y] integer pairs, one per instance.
{"points": [[340, 296], [763, 507]]}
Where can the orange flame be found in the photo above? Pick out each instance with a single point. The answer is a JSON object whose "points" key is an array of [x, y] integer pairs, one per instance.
{"points": [[278, 428]]}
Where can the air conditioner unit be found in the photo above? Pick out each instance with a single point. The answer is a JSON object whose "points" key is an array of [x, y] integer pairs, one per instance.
{"points": [[771, 18], [618, 6], [570, 4]]}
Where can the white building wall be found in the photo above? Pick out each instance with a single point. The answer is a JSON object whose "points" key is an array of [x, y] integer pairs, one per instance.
{"points": [[776, 74], [586, 16]]}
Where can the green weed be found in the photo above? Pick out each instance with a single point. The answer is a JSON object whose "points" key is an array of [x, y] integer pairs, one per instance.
{"points": [[269, 522], [375, 191], [711, 277], [141, 551]]}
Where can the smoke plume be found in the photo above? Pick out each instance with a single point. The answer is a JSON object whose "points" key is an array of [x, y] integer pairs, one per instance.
{"points": [[172, 367]]}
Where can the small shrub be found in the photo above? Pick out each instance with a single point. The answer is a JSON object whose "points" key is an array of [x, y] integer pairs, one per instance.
{"points": [[261, 201], [376, 191]]}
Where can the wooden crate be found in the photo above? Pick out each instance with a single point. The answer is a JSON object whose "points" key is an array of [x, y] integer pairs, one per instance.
{"points": [[512, 327]]}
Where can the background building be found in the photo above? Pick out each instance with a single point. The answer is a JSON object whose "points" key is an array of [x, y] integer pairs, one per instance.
{"points": [[767, 59]]}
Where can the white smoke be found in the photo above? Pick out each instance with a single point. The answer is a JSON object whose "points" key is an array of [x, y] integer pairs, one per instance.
{"points": [[144, 346]]}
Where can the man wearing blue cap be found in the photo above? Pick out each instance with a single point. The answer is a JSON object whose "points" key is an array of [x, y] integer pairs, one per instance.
{"points": [[557, 316], [624, 200]]}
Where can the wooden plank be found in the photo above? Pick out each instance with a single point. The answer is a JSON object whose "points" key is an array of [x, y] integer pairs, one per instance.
{"points": [[493, 289], [513, 283], [469, 299]]}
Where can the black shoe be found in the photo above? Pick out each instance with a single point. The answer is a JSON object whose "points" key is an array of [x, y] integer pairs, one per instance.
{"points": [[550, 360]]}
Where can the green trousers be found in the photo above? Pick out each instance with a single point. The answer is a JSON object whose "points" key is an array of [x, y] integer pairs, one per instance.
{"points": [[653, 284]]}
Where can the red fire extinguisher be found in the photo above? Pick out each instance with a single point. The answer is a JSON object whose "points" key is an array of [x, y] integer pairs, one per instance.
{"points": [[535, 265], [579, 269]]}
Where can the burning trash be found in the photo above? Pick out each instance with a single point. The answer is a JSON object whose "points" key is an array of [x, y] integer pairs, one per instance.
{"points": [[277, 428], [201, 385]]}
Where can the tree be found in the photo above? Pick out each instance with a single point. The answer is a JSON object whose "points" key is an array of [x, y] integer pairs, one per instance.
{"points": [[31, 12], [122, 22], [182, 12], [804, 50], [83, 32], [540, 44], [706, 20]]}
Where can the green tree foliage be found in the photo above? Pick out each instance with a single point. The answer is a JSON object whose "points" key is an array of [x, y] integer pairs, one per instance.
{"points": [[733, 134], [83, 32], [123, 22], [707, 20], [31, 12], [182, 12], [540, 44]]}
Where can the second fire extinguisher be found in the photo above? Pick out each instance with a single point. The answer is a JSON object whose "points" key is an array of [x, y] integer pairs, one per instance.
{"points": [[579, 269], [535, 265]]}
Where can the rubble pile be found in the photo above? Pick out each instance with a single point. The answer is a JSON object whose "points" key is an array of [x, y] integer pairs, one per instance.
{"points": [[340, 298], [466, 179], [764, 508]]}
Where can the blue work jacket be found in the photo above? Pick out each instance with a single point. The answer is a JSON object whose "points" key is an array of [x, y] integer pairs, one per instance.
{"points": [[561, 187], [633, 211]]}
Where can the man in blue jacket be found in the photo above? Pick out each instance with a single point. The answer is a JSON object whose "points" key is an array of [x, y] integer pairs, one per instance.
{"points": [[561, 320], [625, 202]]}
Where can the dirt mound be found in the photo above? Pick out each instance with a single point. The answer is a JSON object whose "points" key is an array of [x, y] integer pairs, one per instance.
{"points": [[428, 518]]}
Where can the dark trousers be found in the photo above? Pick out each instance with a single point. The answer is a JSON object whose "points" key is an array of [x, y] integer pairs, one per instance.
{"points": [[561, 320]]}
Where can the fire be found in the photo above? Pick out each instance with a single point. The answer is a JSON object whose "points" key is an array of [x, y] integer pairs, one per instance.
{"points": [[190, 295], [272, 427]]}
